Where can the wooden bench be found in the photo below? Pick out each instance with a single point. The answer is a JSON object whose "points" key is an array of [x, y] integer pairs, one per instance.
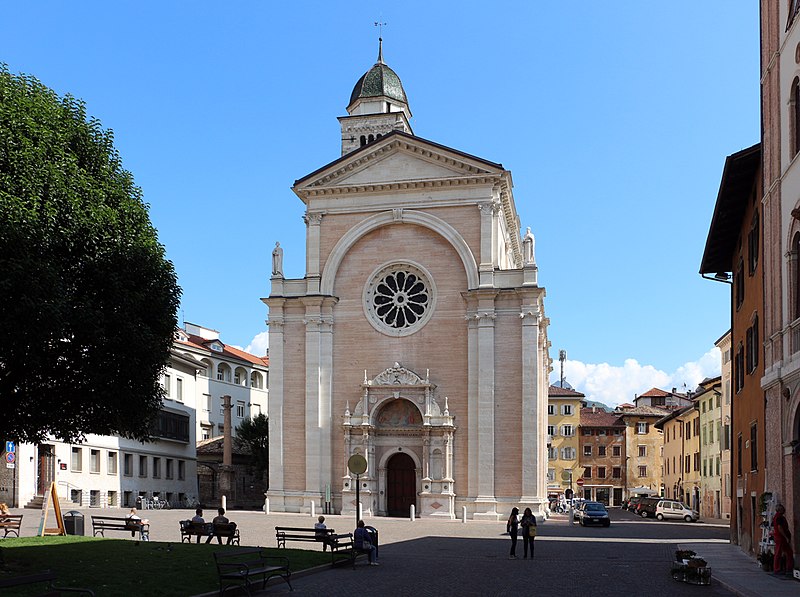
{"points": [[226, 530], [343, 549], [100, 524], [191, 529], [241, 567], [48, 577], [284, 534], [10, 523]]}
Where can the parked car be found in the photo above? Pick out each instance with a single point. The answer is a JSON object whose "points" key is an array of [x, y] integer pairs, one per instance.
{"points": [[673, 509], [631, 504], [647, 507], [593, 513]]}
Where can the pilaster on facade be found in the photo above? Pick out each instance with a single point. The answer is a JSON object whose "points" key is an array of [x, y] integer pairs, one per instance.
{"points": [[313, 221]]}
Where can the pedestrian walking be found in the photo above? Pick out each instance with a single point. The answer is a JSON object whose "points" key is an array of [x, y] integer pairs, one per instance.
{"points": [[783, 543], [512, 527], [528, 524]]}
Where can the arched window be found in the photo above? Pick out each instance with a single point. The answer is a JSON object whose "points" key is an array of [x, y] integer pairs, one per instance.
{"points": [[795, 255], [378, 136], [255, 380], [363, 140], [223, 372], [371, 138], [240, 376], [209, 367], [794, 106]]}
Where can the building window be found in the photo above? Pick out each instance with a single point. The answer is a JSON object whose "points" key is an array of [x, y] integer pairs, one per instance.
{"points": [[568, 453], [752, 244], [113, 499], [642, 471], [156, 467], [552, 453], [587, 450], [566, 410], [753, 447], [127, 465], [94, 461], [142, 466], [601, 472], [179, 389], [171, 425], [641, 428], [688, 464], [739, 283], [616, 472], [751, 346], [551, 474], [696, 460], [587, 472], [601, 450], [165, 383], [616, 451], [688, 430], [551, 409], [181, 470], [739, 455], [551, 430], [642, 451], [77, 460], [168, 468], [111, 463], [566, 430], [240, 409], [705, 470], [399, 299]]}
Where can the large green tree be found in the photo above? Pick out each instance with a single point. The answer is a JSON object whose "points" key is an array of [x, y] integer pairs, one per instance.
{"points": [[88, 300], [254, 433]]}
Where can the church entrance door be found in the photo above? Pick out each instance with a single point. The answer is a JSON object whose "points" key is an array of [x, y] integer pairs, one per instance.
{"points": [[401, 485]]}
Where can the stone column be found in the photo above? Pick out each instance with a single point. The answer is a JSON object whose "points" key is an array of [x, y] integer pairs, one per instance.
{"points": [[326, 398], [275, 403], [226, 472], [313, 221], [488, 210], [314, 450], [530, 366], [485, 503]]}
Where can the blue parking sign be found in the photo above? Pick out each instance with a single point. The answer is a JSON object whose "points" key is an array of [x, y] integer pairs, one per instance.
{"points": [[11, 447]]}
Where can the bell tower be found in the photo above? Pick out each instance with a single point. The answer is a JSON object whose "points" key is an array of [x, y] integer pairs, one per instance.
{"points": [[378, 106]]}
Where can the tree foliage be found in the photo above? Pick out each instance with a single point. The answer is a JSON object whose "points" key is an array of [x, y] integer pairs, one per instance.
{"points": [[87, 297], [254, 433]]}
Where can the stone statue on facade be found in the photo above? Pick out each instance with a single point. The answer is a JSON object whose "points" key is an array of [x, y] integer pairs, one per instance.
{"points": [[528, 244], [277, 260]]}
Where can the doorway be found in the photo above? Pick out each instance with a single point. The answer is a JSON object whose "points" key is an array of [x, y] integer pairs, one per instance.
{"points": [[46, 471], [401, 485]]}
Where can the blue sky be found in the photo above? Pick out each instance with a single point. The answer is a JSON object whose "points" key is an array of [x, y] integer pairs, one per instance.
{"points": [[615, 119]]}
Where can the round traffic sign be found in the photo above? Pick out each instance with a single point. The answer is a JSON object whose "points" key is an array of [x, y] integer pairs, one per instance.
{"points": [[579, 482], [11, 457], [357, 464]]}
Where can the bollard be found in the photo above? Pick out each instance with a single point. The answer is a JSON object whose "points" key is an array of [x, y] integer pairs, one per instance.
{"points": [[463, 514], [360, 511], [224, 502], [266, 505], [313, 509], [411, 512]]}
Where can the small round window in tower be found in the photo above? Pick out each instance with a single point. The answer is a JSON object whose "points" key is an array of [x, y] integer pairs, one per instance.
{"points": [[399, 298]]}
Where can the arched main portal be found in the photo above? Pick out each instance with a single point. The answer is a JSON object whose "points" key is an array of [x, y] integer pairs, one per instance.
{"points": [[401, 485]]}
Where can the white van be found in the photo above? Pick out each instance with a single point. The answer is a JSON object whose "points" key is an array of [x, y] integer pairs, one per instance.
{"points": [[672, 509]]}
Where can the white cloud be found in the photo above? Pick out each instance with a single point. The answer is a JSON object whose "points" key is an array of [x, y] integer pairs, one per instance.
{"points": [[259, 345], [613, 385]]}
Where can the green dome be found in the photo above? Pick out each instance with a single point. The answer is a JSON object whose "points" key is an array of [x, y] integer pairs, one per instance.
{"points": [[379, 81]]}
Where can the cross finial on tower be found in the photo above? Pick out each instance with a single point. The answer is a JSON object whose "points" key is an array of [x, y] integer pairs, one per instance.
{"points": [[380, 25]]}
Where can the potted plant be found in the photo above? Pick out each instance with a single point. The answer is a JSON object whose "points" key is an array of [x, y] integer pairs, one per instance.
{"points": [[763, 502], [765, 559]]}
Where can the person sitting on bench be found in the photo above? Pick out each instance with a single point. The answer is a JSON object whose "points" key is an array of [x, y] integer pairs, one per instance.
{"points": [[220, 518], [363, 542]]}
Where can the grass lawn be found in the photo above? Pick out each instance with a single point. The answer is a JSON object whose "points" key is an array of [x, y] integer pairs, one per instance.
{"points": [[122, 567]]}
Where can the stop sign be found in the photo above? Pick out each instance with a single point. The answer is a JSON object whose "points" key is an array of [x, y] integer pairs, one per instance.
{"points": [[579, 482]]}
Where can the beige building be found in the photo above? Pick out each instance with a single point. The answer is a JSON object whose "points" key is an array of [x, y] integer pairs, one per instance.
{"points": [[416, 336], [643, 448], [563, 421], [709, 408], [724, 345]]}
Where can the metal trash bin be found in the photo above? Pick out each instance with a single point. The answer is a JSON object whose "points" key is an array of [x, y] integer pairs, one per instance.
{"points": [[73, 522], [373, 537]]}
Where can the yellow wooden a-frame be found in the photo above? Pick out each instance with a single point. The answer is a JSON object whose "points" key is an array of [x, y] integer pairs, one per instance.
{"points": [[49, 495]]}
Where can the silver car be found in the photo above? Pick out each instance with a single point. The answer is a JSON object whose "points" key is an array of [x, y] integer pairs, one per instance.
{"points": [[672, 509]]}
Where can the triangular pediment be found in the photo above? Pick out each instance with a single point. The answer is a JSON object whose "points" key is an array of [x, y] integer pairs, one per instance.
{"points": [[397, 158]]}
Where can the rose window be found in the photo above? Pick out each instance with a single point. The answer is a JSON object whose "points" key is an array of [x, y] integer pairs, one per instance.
{"points": [[399, 299]]}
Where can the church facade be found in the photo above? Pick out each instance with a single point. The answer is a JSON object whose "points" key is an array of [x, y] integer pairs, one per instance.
{"points": [[417, 337]]}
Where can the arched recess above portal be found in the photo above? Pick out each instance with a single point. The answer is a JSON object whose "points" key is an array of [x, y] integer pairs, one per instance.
{"points": [[390, 217], [396, 413], [387, 455]]}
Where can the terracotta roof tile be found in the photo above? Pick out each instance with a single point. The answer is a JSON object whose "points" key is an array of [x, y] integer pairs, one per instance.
{"points": [[654, 392], [600, 418], [559, 392]]}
